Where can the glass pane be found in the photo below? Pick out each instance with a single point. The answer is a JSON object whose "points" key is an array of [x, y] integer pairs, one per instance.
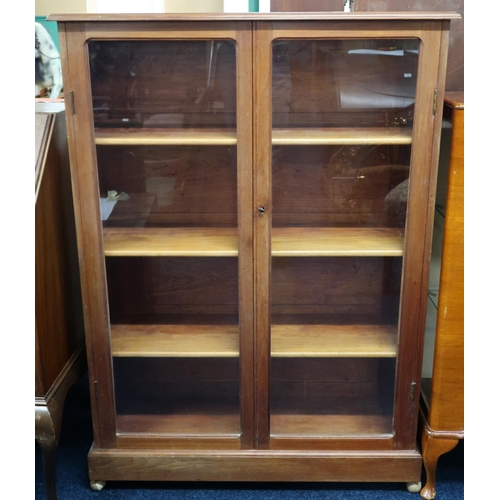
{"points": [[165, 128], [175, 84], [342, 133]]}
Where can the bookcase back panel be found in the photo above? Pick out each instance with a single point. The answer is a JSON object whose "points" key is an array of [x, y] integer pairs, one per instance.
{"points": [[160, 289], [177, 396], [331, 397], [339, 186], [170, 185], [334, 290]]}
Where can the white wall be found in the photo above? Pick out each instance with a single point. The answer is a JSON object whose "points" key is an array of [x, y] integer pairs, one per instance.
{"points": [[264, 5], [46, 7], [235, 6], [194, 6], [125, 6], [242, 5], [149, 6]]}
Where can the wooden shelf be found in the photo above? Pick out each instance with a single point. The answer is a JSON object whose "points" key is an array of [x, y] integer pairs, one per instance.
{"points": [[340, 136], [164, 137], [287, 341], [281, 425], [203, 424], [170, 242], [177, 341], [298, 416], [223, 242], [227, 137], [335, 341], [337, 242], [311, 426]]}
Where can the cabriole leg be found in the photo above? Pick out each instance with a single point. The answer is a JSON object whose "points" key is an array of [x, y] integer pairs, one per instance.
{"points": [[49, 455], [47, 430], [432, 449]]}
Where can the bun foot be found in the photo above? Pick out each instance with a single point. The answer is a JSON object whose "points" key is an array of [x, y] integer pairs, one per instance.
{"points": [[97, 485], [414, 487]]}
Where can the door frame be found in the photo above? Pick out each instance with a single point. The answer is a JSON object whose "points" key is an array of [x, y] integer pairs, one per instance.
{"points": [[420, 215]]}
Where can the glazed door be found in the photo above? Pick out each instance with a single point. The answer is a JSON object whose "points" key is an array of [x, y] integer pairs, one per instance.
{"points": [[343, 190], [172, 135]]}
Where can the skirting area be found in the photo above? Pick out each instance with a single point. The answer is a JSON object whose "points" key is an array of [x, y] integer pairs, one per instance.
{"points": [[73, 483]]}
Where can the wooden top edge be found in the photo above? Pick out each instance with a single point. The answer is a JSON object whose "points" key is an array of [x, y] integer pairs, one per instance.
{"points": [[454, 99], [252, 16]]}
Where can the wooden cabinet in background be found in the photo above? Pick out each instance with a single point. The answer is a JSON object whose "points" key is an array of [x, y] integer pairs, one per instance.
{"points": [[455, 64], [307, 5], [254, 219], [442, 395], [59, 334]]}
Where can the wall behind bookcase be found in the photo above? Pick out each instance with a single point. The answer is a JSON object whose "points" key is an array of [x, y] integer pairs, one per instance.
{"points": [[46, 7], [455, 69]]}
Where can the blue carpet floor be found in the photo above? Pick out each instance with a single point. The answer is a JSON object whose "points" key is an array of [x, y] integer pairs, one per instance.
{"points": [[73, 483]]}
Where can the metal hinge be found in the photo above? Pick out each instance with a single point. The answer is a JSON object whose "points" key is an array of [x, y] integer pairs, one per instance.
{"points": [[412, 391], [434, 105], [96, 390], [72, 99]]}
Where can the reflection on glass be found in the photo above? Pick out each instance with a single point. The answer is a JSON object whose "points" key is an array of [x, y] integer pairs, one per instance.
{"points": [[177, 84], [334, 83], [342, 133], [165, 131]]}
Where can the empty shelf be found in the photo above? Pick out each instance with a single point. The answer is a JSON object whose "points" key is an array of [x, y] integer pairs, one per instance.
{"points": [[164, 137], [341, 136], [337, 242], [170, 242], [175, 340], [223, 242], [336, 341], [378, 341]]}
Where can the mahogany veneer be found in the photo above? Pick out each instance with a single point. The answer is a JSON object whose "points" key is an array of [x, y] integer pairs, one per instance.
{"points": [[254, 216]]}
